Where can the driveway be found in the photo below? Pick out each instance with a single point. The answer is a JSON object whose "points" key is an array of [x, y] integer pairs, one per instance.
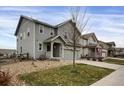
{"points": [[114, 79]]}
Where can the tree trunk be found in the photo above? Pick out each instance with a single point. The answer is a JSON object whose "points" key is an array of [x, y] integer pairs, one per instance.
{"points": [[74, 47]]}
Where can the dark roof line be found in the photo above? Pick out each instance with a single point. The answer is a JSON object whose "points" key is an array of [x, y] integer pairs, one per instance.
{"points": [[86, 36], [37, 21]]}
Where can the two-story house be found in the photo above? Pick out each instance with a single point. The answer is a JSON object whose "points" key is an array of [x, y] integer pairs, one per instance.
{"points": [[38, 38], [108, 48], [90, 46], [111, 50]]}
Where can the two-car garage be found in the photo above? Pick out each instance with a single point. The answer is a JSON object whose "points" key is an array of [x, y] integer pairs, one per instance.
{"points": [[68, 54]]}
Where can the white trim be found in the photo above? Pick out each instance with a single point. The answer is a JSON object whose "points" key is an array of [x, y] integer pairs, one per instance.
{"points": [[51, 49], [24, 35], [21, 36], [57, 37], [42, 29], [34, 42]]}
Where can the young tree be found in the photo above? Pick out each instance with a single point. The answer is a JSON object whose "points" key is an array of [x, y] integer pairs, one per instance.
{"points": [[80, 21]]}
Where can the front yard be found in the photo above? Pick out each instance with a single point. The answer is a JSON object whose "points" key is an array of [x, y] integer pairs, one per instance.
{"points": [[114, 61], [62, 76]]}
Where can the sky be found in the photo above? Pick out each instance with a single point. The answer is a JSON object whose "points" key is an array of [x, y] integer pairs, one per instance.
{"points": [[107, 22]]}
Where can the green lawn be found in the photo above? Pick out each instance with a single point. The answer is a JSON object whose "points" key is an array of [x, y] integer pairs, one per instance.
{"points": [[114, 61], [62, 76]]}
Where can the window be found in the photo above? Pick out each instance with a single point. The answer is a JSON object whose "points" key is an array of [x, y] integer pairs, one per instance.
{"points": [[28, 34], [21, 49], [21, 36], [51, 31], [48, 47], [65, 36], [41, 29], [40, 46]]}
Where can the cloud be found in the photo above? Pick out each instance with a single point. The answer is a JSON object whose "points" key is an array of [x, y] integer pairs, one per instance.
{"points": [[108, 27], [19, 9]]}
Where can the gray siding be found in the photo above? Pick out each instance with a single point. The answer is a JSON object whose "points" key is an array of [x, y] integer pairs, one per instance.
{"points": [[40, 37], [66, 29], [27, 43]]}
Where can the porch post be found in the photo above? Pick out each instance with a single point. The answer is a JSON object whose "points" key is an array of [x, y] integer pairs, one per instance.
{"points": [[51, 49], [95, 51], [62, 51]]}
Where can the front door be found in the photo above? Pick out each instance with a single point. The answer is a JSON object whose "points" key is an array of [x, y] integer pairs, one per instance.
{"points": [[56, 50]]}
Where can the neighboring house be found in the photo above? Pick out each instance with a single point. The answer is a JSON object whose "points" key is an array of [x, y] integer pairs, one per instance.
{"points": [[108, 48], [90, 46], [38, 38], [111, 50], [105, 48], [119, 51], [7, 52]]}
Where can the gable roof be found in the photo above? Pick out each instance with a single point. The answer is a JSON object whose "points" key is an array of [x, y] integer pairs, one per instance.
{"points": [[86, 36], [111, 43], [31, 19], [43, 23], [60, 24], [53, 38]]}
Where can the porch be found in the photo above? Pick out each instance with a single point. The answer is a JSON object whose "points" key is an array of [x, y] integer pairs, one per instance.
{"points": [[93, 51], [54, 47]]}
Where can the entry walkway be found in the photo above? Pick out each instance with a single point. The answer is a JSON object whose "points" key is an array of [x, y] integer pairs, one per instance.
{"points": [[116, 78]]}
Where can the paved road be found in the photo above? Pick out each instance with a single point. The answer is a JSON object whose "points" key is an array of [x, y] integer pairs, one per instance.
{"points": [[116, 78]]}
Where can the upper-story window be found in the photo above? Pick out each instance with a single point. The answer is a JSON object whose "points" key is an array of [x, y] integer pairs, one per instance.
{"points": [[41, 29], [21, 36], [65, 36], [28, 32], [51, 31]]}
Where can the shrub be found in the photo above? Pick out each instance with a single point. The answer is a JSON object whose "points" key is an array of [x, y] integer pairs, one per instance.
{"points": [[43, 57], [4, 78], [94, 59], [88, 58], [100, 59]]}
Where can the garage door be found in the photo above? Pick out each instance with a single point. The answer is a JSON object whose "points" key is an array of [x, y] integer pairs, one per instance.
{"points": [[103, 54], [68, 54]]}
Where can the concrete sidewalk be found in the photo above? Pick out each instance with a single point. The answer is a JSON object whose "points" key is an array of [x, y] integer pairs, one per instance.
{"points": [[116, 78], [100, 64], [115, 58]]}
